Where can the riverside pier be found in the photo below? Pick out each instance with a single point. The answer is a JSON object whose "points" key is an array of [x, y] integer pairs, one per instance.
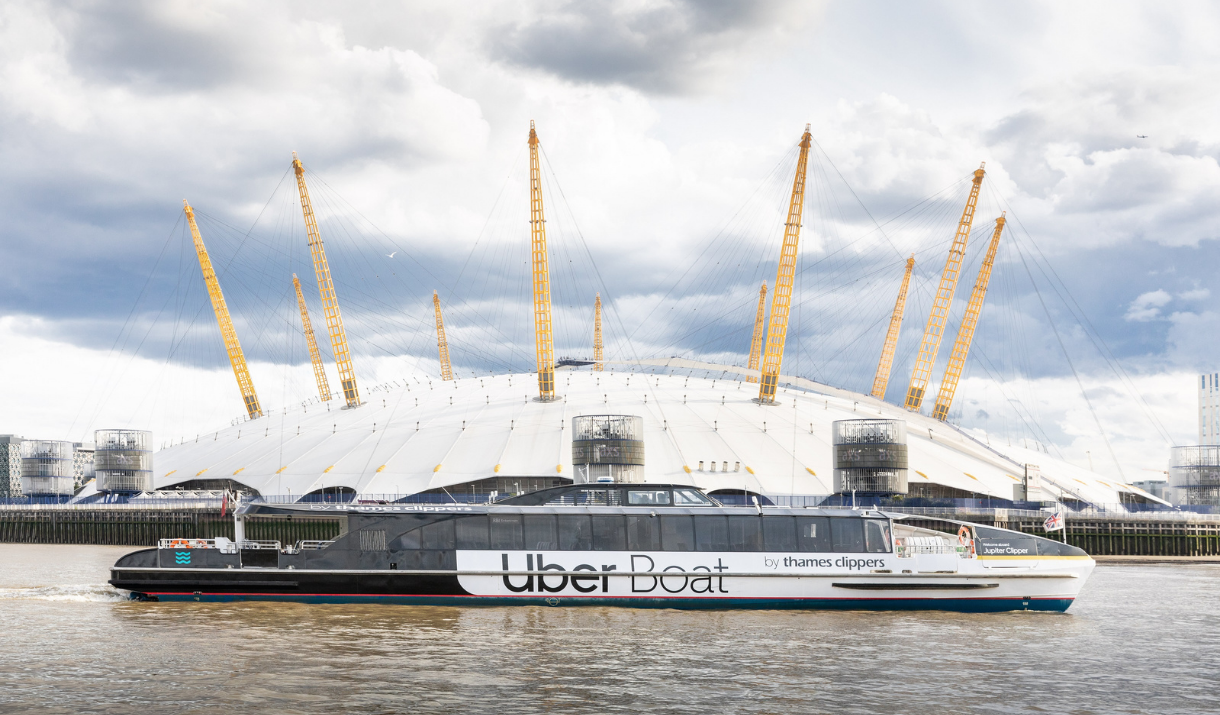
{"points": [[1099, 532]]}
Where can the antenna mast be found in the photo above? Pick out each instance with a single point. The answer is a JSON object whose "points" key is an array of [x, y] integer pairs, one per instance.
{"points": [[882, 379], [315, 357], [935, 330], [441, 343], [544, 345], [760, 321], [326, 289], [597, 333], [781, 299], [236, 357], [965, 334]]}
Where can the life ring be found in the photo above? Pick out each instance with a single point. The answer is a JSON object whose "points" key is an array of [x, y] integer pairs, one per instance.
{"points": [[180, 544], [965, 539]]}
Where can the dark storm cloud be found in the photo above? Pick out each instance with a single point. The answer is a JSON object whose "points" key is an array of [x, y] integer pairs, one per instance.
{"points": [[663, 47], [141, 43]]}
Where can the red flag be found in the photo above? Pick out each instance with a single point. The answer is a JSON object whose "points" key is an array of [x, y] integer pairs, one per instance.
{"points": [[224, 504]]}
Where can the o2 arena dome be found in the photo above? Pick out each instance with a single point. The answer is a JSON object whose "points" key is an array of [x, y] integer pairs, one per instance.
{"points": [[702, 425], [724, 429]]}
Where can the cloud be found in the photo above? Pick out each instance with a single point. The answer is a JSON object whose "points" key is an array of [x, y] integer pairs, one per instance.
{"points": [[1191, 339], [1074, 147], [658, 46], [1147, 306], [110, 114]]}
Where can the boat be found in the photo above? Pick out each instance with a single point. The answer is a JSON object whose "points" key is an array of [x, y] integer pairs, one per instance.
{"points": [[635, 545]]}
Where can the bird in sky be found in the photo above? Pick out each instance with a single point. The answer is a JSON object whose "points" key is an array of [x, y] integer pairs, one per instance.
{"points": [[1141, 136], [390, 255]]}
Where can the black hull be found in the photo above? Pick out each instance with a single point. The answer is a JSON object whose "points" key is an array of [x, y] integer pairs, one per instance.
{"points": [[170, 582]]}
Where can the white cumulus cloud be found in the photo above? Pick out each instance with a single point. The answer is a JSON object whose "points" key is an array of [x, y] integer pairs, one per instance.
{"points": [[1147, 306]]}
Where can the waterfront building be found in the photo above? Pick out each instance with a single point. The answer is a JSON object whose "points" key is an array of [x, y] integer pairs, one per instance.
{"points": [[10, 465], [1194, 475], [46, 468], [123, 460], [699, 422], [726, 429], [1158, 488], [1209, 408]]}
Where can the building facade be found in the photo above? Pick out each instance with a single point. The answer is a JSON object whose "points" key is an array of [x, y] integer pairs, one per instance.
{"points": [[10, 465], [1209, 408], [82, 464]]}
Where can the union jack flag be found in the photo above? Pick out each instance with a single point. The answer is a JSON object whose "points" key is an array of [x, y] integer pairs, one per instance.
{"points": [[1054, 522]]}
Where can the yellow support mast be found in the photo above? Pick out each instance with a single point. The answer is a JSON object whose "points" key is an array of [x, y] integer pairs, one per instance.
{"points": [[785, 276], [544, 344], [882, 378], [441, 343], [315, 357], [326, 289], [597, 333], [965, 334], [935, 330], [236, 357], [760, 321]]}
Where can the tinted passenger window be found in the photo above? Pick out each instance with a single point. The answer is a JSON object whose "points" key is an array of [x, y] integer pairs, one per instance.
{"points": [[575, 532], [711, 533], [652, 496], [540, 532], [876, 536], [813, 534], [609, 533], [598, 497], [437, 535], [643, 533], [677, 533], [779, 533], [745, 533], [506, 531], [472, 532], [848, 535]]}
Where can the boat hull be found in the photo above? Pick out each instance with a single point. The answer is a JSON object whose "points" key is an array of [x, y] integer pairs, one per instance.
{"points": [[961, 605], [1038, 586]]}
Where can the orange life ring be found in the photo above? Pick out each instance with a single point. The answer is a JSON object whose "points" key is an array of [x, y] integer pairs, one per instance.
{"points": [[965, 539], [179, 543]]}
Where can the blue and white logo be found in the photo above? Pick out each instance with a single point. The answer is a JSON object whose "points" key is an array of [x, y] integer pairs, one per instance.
{"points": [[182, 557]]}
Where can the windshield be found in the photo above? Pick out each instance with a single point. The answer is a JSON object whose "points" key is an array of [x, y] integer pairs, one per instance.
{"points": [[876, 536], [690, 497]]}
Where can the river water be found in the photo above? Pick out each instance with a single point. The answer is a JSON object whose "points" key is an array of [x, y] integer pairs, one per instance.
{"points": [[1140, 639]]}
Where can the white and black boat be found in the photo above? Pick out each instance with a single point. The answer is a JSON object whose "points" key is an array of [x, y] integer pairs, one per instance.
{"points": [[659, 546]]}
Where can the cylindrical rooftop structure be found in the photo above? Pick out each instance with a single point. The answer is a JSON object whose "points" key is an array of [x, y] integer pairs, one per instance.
{"points": [[123, 460], [1194, 475], [870, 457], [46, 468], [608, 448]]}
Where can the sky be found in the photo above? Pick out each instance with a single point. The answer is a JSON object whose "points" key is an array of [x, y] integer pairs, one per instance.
{"points": [[669, 132]]}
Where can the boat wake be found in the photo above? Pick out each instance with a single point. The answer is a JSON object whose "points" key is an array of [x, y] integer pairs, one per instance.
{"points": [[78, 593]]}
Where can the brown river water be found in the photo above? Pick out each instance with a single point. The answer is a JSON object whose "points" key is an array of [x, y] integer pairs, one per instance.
{"points": [[1140, 639]]}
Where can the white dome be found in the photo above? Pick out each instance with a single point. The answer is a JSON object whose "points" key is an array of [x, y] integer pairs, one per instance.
{"points": [[421, 433]]}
